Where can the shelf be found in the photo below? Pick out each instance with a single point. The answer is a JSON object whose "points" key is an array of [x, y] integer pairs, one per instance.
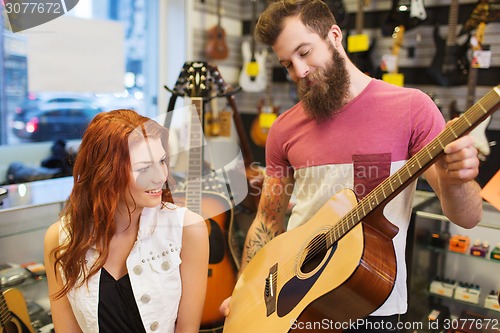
{"points": [[438, 249], [472, 305]]}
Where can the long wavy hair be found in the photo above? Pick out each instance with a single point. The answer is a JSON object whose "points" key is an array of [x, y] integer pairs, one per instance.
{"points": [[314, 14], [102, 173]]}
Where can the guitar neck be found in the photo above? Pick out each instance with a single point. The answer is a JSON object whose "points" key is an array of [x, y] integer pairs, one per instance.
{"points": [[195, 166], [218, 13], [471, 87], [452, 24], [5, 315], [417, 164], [360, 17]]}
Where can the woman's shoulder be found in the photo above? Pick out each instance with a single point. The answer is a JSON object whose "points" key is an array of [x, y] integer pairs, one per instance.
{"points": [[52, 235], [191, 217]]}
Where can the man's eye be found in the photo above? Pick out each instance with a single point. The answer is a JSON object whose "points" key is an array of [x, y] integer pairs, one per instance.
{"points": [[305, 53]]}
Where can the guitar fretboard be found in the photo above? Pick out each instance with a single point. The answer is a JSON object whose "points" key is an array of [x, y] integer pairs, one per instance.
{"points": [[417, 164], [451, 39], [5, 316], [195, 166]]}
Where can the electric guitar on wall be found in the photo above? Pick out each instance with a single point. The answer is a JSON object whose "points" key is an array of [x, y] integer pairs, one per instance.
{"points": [[216, 47], [267, 112], [253, 74], [390, 63], [215, 209], [450, 66], [14, 317], [340, 265]]}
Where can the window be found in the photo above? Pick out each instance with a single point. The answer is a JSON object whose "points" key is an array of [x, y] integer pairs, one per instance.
{"points": [[28, 95]]}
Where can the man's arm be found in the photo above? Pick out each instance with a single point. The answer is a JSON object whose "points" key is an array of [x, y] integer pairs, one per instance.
{"points": [[269, 221], [452, 179]]}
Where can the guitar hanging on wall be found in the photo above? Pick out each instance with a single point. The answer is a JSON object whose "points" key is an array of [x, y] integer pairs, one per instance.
{"points": [[253, 74], [450, 66], [216, 47], [340, 266], [14, 316], [213, 207], [267, 112]]}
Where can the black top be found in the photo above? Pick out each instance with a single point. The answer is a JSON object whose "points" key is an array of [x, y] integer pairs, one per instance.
{"points": [[118, 311]]}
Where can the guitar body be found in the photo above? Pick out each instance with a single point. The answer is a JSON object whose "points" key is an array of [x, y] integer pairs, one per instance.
{"points": [[216, 47], [14, 313], [349, 280], [221, 270], [259, 133], [450, 66], [253, 74]]}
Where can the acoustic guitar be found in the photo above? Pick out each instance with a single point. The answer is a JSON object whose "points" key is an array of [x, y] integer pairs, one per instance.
{"points": [[253, 74], [359, 47], [450, 66], [340, 265], [14, 317], [213, 207], [216, 47]]}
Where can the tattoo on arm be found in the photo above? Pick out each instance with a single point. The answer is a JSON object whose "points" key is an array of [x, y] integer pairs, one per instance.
{"points": [[272, 212]]}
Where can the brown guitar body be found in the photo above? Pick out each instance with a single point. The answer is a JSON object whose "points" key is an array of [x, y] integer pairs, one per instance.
{"points": [[221, 270], [216, 47], [348, 281], [14, 317]]}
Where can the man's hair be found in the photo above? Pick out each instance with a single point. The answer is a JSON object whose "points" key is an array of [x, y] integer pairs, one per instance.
{"points": [[314, 14]]}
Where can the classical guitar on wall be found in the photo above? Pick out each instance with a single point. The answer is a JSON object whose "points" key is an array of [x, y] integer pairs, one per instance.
{"points": [[216, 47], [340, 265], [14, 317], [450, 65], [213, 207], [253, 74]]}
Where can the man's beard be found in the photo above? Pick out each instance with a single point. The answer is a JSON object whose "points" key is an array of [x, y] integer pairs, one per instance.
{"points": [[324, 92]]}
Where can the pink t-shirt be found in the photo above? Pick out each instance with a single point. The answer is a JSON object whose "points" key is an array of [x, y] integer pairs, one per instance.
{"points": [[369, 140]]}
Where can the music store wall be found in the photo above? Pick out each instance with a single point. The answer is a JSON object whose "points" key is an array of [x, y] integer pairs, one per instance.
{"points": [[420, 50]]}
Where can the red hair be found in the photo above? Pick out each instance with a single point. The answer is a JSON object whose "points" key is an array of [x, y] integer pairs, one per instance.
{"points": [[101, 178]]}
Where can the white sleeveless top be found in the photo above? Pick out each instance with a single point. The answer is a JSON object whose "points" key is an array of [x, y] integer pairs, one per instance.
{"points": [[153, 268]]}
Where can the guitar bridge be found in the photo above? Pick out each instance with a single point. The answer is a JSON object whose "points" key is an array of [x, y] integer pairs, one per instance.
{"points": [[270, 290]]}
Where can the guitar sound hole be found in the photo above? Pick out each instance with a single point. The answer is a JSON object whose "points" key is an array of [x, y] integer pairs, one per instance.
{"points": [[316, 251]]}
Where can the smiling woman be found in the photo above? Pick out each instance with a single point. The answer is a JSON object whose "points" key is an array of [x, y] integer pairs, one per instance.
{"points": [[121, 246]]}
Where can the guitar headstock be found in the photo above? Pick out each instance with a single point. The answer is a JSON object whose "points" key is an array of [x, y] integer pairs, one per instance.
{"points": [[199, 79], [398, 37]]}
